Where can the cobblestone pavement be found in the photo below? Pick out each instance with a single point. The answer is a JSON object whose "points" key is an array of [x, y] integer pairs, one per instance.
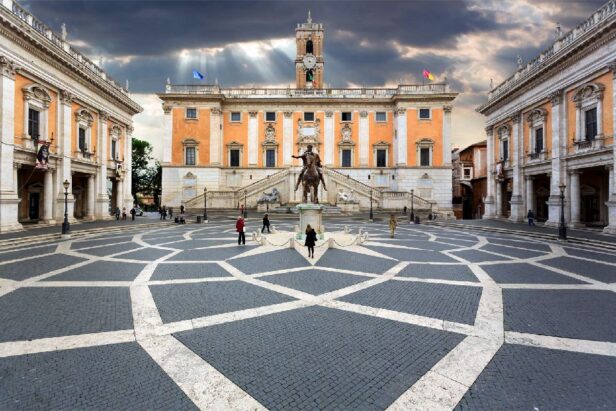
{"points": [[181, 317]]}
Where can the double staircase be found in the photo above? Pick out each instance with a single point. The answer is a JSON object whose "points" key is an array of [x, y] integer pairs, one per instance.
{"points": [[361, 193]]}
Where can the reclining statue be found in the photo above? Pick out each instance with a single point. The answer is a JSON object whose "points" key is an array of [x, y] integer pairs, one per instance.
{"points": [[342, 196], [273, 197]]}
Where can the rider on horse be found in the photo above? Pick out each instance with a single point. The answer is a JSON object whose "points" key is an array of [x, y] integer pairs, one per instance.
{"points": [[317, 162]]}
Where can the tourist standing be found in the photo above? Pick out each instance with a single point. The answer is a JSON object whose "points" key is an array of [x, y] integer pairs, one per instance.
{"points": [[132, 213], [266, 223], [117, 213], [531, 218], [182, 209], [170, 213], [123, 213], [392, 225], [240, 227], [311, 240]]}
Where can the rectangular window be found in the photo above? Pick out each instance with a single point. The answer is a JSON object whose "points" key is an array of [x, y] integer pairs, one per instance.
{"points": [[270, 116], [539, 140], [236, 116], [346, 116], [234, 158], [424, 157], [270, 158], [424, 113], [590, 120], [381, 158], [308, 116], [34, 124], [113, 149], [191, 113], [381, 116], [346, 158], [505, 144], [467, 173], [190, 156], [82, 139]]}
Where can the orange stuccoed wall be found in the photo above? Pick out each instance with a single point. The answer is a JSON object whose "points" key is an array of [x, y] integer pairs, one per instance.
{"points": [[424, 129], [197, 129]]}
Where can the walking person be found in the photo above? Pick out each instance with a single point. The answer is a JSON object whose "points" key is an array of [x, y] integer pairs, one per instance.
{"points": [[170, 213], [311, 240], [240, 227], [266, 223], [531, 218], [117, 213], [164, 212], [123, 213], [392, 225], [160, 211], [182, 209], [132, 213]]}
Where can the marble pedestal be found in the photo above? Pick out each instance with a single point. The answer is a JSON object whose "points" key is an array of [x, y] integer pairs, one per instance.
{"points": [[310, 214], [349, 206]]}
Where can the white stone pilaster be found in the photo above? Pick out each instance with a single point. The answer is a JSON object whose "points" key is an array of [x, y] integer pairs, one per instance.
{"points": [[48, 197], [128, 168], [447, 135], [329, 144], [9, 200], [611, 203], [401, 140], [364, 139], [102, 196], [119, 194], [499, 199], [517, 202], [287, 138], [530, 195], [64, 173], [575, 198], [556, 166], [490, 208], [167, 133], [90, 208], [215, 137], [253, 139]]}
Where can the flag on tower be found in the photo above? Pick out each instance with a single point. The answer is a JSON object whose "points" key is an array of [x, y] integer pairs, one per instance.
{"points": [[428, 75], [198, 75]]}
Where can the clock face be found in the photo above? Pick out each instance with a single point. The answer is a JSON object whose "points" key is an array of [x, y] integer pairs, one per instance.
{"points": [[310, 61]]}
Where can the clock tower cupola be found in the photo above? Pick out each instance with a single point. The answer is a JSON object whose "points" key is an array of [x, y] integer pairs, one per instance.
{"points": [[309, 61]]}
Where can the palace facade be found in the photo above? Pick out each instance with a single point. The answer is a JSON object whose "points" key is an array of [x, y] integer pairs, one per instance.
{"points": [[53, 96], [237, 143], [550, 127]]}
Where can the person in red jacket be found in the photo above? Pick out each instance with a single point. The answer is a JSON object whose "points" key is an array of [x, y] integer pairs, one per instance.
{"points": [[239, 227]]}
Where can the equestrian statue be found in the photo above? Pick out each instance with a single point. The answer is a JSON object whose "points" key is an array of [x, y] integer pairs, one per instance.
{"points": [[310, 176]]}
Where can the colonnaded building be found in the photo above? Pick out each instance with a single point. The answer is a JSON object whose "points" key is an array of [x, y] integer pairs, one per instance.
{"points": [[50, 94], [551, 126], [237, 142]]}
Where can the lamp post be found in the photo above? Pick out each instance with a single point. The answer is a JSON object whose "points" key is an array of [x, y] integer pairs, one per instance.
{"points": [[245, 205], [371, 215], [205, 204], [562, 229], [66, 227], [412, 215]]}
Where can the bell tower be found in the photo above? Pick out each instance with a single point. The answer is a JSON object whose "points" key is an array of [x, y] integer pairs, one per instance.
{"points": [[309, 61]]}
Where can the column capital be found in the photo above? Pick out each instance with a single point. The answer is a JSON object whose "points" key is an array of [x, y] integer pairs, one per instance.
{"points": [[612, 67], [329, 113], [66, 97], [556, 98], [167, 108], [363, 114], [447, 108], [253, 114], [400, 111], [489, 130], [515, 117], [289, 114], [574, 172], [529, 178], [8, 67], [216, 111], [103, 115]]}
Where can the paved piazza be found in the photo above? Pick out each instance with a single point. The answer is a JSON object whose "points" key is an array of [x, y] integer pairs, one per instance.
{"points": [[181, 317]]}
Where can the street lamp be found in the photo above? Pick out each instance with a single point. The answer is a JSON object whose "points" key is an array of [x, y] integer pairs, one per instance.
{"points": [[412, 216], [371, 215], [245, 205], [66, 227], [562, 229], [205, 204]]}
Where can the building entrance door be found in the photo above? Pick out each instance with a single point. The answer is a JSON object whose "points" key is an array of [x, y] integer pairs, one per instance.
{"points": [[33, 206]]}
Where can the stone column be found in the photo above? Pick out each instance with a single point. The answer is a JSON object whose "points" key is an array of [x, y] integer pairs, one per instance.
{"points": [[575, 198], [364, 139], [101, 210], [167, 133], [499, 199], [447, 135], [401, 143], [48, 197], [517, 202], [119, 193], [611, 203], [215, 137], [578, 121], [489, 201], [9, 200], [91, 198], [287, 137], [530, 194], [65, 150], [253, 139], [556, 166], [329, 145], [128, 168]]}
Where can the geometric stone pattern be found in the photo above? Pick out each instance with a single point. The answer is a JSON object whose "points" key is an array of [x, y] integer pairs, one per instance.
{"points": [[180, 317]]}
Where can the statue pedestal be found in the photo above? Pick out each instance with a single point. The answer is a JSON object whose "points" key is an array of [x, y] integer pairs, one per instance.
{"points": [[310, 214], [349, 206]]}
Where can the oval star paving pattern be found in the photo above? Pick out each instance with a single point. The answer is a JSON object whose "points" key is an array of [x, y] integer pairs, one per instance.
{"points": [[181, 317]]}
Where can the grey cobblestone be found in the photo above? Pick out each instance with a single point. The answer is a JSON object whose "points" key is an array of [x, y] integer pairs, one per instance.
{"points": [[610, 258], [189, 270], [212, 254], [315, 281], [319, 358], [530, 378], [276, 260], [513, 252], [596, 271], [30, 313], [475, 256], [101, 271], [526, 273], [25, 252], [21, 270], [119, 376], [110, 249], [351, 261], [456, 272], [413, 255], [78, 245]]}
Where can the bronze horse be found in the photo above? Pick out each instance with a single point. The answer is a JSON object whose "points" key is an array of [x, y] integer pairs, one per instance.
{"points": [[310, 180]]}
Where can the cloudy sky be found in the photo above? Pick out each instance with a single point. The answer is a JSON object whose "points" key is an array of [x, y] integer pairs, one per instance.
{"points": [[372, 43]]}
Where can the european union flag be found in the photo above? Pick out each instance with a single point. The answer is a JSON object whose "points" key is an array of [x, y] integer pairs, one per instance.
{"points": [[198, 75]]}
